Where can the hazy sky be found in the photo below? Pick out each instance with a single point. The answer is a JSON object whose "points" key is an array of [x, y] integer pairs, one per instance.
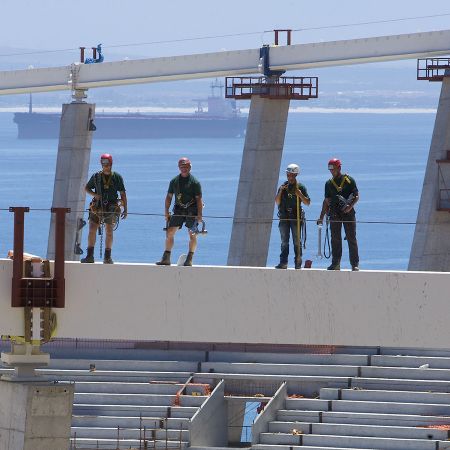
{"points": [[61, 24]]}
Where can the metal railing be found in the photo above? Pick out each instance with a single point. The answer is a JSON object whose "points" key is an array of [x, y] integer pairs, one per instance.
{"points": [[433, 69], [292, 88], [147, 438]]}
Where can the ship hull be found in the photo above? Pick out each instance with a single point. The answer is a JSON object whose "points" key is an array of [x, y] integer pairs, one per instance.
{"points": [[136, 126]]}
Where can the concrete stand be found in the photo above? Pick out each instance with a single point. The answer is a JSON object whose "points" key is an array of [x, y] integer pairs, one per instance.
{"points": [[74, 151], [431, 243], [263, 149], [35, 416]]}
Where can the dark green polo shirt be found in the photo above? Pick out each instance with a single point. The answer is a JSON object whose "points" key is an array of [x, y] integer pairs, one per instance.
{"points": [[343, 185], [109, 185], [289, 199], [185, 189]]}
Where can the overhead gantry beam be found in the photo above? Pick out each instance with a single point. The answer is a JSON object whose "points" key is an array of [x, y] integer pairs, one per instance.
{"points": [[239, 62]]}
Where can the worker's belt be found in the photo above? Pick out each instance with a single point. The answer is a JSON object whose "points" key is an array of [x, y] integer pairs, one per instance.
{"points": [[289, 212]]}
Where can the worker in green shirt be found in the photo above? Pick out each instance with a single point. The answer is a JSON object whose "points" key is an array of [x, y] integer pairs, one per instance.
{"points": [[105, 206], [188, 209], [290, 195], [341, 195]]}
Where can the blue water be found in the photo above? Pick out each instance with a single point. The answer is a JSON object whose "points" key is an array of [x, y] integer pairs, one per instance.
{"points": [[385, 153]]}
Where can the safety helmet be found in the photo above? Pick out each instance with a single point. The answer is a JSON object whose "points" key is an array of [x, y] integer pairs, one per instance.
{"points": [[293, 168], [334, 162], [106, 157], [184, 162]]}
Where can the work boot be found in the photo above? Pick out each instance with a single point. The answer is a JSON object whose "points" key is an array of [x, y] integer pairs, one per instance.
{"points": [[334, 266], [107, 259], [281, 266], [89, 257], [355, 269], [298, 263], [165, 260], [189, 257]]}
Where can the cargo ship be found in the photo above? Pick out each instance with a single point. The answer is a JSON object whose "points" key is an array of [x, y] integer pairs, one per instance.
{"points": [[221, 119]]}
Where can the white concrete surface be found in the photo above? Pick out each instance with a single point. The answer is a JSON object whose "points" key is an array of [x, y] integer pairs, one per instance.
{"points": [[238, 62], [241, 304], [35, 416]]}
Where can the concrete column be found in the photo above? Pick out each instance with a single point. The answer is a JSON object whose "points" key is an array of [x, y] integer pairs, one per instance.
{"points": [[431, 244], [263, 149], [236, 415], [35, 416], [74, 151]]}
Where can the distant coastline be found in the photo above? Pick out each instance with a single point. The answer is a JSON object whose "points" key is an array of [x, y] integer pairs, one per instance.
{"points": [[302, 110]]}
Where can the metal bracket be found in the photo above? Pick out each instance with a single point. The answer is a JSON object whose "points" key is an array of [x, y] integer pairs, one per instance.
{"points": [[78, 94], [44, 291]]}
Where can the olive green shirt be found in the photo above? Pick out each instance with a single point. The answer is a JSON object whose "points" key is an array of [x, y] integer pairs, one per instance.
{"points": [[343, 185], [185, 189], [107, 185], [288, 203]]}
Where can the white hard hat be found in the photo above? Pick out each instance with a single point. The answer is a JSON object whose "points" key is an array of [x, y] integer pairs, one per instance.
{"points": [[293, 168]]}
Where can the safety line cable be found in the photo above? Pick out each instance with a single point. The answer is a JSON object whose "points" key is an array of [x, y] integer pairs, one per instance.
{"points": [[249, 33], [243, 219]]}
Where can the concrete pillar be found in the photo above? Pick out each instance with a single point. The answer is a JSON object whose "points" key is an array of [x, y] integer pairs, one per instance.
{"points": [[35, 416], [260, 168], [74, 151], [431, 244]]}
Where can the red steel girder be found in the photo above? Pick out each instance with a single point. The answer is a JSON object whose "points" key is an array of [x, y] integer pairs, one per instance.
{"points": [[38, 292], [433, 69], [289, 88]]}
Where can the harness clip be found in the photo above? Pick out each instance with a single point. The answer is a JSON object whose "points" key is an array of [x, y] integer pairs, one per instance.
{"points": [[195, 230]]}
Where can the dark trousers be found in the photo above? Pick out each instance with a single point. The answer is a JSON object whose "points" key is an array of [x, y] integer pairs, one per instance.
{"points": [[286, 227], [337, 219]]}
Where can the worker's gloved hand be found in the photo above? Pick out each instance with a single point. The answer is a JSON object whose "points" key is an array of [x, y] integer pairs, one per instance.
{"points": [[319, 221]]}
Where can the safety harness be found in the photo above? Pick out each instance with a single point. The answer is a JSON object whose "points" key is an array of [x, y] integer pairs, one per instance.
{"points": [[339, 187], [179, 195], [99, 205], [300, 218]]}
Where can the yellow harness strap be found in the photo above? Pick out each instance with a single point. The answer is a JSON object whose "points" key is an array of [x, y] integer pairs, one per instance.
{"points": [[340, 186]]}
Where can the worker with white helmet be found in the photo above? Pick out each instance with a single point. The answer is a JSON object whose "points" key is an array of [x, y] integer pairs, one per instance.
{"points": [[290, 195]]}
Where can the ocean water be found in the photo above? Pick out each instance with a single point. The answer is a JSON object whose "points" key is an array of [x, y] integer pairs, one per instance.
{"points": [[385, 153]]}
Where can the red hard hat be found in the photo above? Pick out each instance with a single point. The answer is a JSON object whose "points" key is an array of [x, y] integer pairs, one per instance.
{"points": [[106, 156], [184, 162], [334, 162]]}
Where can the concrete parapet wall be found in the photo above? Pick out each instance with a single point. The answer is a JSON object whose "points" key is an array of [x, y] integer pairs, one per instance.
{"points": [[269, 413], [208, 427], [246, 305]]}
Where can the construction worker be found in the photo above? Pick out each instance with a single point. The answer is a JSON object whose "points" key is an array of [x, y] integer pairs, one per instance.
{"points": [[341, 195], [290, 195], [188, 209], [105, 207]]}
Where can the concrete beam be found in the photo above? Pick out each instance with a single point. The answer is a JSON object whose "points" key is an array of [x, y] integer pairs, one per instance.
{"points": [[245, 305], [219, 64]]}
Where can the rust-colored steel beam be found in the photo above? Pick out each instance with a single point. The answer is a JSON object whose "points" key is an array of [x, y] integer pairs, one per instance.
{"points": [[19, 228], [433, 69], [82, 49], [58, 274], [292, 88], [288, 35], [38, 292]]}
